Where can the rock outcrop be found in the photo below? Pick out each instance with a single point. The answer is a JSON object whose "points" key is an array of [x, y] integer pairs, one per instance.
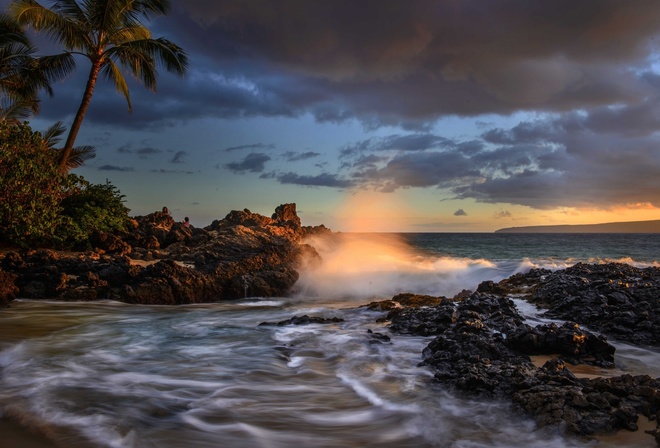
{"points": [[615, 299], [244, 254], [482, 348]]}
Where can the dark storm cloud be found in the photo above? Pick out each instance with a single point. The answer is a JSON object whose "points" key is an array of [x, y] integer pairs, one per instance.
{"points": [[115, 168], [178, 157], [200, 95], [125, 149], [573, 160], [424, 169], [255, 146], [391, 62], [563, 160], [366, 161], [163, 171], [320, 180], [412, 142], [142, 152], [292, 156], [148, 151], [460, 212], [255, 162]]}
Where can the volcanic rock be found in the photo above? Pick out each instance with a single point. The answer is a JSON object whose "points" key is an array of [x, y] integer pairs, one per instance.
{"points": [[482, 347], [304, 320], [616, 299], [244, 254], [8, 289]]}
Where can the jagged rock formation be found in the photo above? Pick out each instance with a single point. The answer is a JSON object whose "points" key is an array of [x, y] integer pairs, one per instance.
{"points": [[482, 348], [616, 299], [244, 254]]}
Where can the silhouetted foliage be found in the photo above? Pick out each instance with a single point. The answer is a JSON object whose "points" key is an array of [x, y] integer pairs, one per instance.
{"points": [[91, 208], [31, 186], [40, 206]]}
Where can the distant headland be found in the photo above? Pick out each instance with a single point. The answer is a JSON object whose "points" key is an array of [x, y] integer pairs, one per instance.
{"points": [[610, 227]]}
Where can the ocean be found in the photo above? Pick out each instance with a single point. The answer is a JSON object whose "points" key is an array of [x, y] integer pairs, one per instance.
{"points": [[107, 374]]}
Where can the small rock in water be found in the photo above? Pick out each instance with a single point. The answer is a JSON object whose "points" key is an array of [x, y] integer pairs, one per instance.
{"points": [[304, 320]]}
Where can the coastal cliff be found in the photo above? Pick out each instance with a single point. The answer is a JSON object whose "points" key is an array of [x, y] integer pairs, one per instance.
{"points": [[610, 227]]}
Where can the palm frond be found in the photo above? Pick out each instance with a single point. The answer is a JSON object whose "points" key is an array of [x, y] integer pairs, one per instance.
{"points": [[58, 66], [52, 134], [108, 15], [17, 110], [140, 57], [110, 33], [140, 64], [150, 8], [10, 32], [171, 56], [22, 75], [113, 73], [129, 33], [61, 27], [70, 8], [80, 155]]}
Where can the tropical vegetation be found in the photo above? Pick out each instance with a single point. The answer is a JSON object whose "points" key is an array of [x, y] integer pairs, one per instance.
{"points": [[31, 186], [90, 209], [112, 35], [39, 205], [22, 74]]}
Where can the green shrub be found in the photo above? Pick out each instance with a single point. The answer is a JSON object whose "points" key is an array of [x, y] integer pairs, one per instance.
{"points": [[30, 187], [39, 206], [91, 208]]}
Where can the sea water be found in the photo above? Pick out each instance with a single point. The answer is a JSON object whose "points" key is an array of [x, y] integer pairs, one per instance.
{"points": [[106, 374]]}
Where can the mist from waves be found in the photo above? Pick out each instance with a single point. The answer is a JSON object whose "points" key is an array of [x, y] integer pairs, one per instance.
{"points": [[363, 266]]}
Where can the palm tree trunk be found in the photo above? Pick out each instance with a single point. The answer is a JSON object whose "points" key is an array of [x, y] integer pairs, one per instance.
{"points": [[80, 115]]}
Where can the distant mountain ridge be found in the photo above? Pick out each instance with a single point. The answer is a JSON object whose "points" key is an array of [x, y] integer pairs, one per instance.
{"points": [[610, 227]]}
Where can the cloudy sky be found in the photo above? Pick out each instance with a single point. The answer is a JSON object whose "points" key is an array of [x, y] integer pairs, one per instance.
{"points": [[420, 115]]}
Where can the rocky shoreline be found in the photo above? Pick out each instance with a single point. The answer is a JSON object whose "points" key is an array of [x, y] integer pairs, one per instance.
{"points": [[482, 346], [162, 262]]}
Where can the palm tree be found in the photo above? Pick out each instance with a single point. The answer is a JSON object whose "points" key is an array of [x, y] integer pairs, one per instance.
{"points": [[22, 75], [79, 154], [110, 33]]}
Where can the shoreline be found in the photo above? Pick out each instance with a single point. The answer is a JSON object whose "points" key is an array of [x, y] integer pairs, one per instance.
{"points": [[16, 435]]}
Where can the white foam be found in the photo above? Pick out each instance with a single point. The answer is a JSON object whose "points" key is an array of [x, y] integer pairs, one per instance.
{"points": [[372, 397], [264, 303], [296, 361]]}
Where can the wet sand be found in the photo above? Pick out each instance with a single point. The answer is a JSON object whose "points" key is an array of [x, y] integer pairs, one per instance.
{"points": [[13, 435], [581, 370], [639, 438]]}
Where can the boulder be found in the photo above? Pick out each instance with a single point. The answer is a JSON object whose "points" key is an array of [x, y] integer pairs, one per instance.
{"points": [[286, 215], [304, 320]]}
